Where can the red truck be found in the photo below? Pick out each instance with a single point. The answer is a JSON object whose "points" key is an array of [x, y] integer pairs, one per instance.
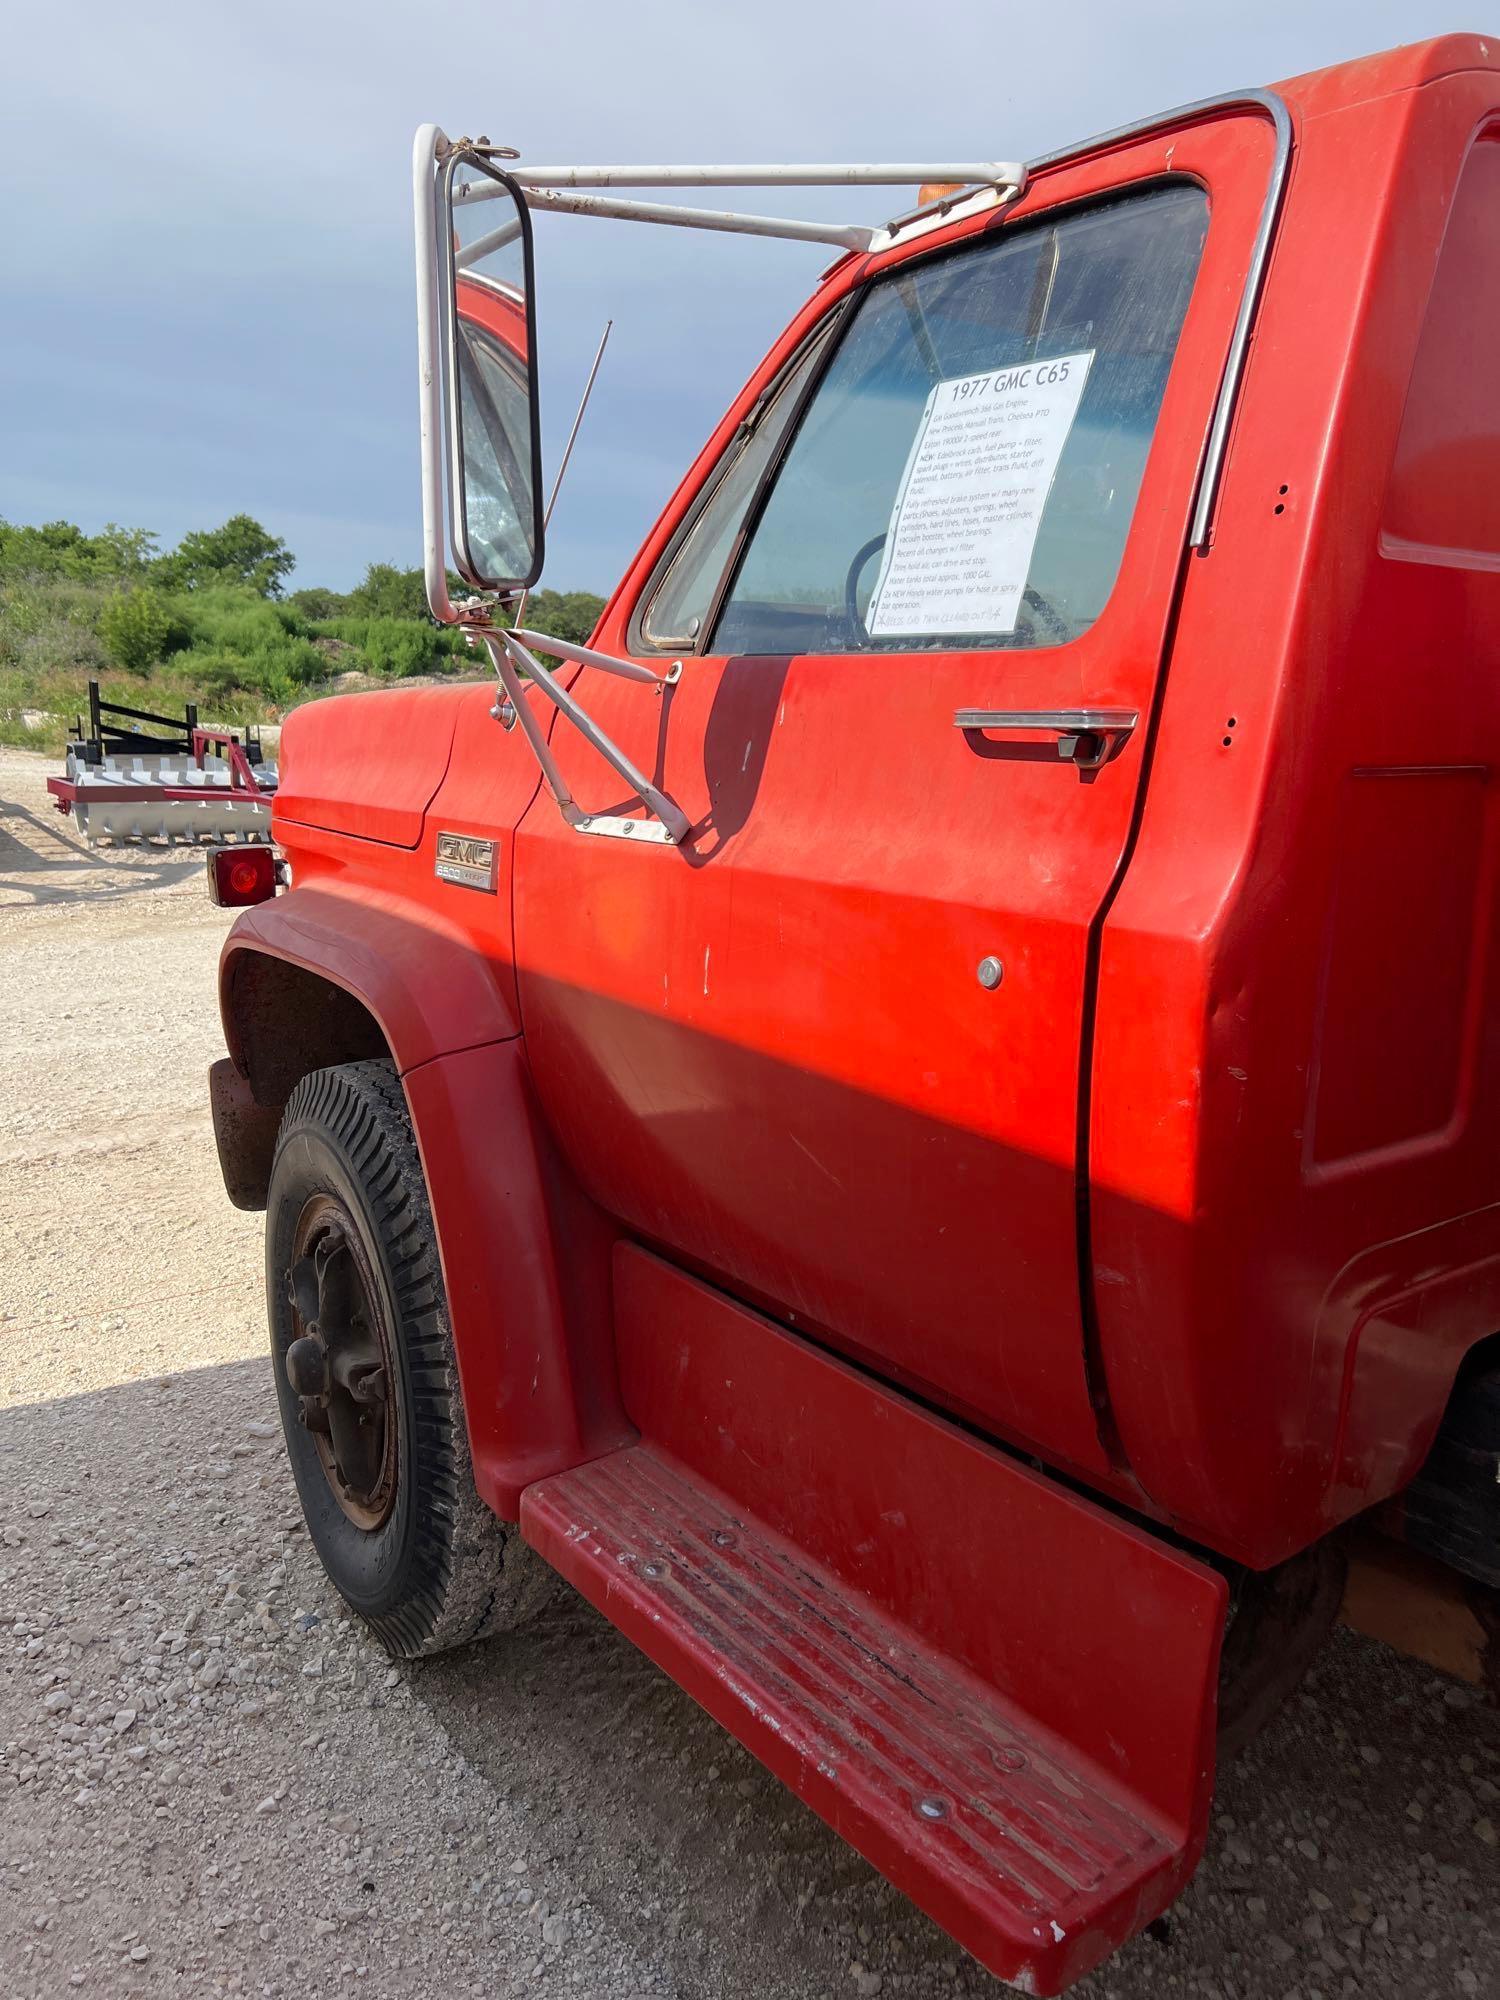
{"points": [[919, 1118]]}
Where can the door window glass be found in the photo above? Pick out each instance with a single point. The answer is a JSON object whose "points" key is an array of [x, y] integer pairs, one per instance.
{"points": [[679, 606], [978, 439]]}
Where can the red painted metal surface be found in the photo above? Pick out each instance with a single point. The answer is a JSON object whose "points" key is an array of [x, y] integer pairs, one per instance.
{"points": [[65, 793], [377, 779], [525, 1255], [1294, 1091], [770, 1053], [910, 1621], [242, 776], [430, 991], [431, 961], [526, 1265]]}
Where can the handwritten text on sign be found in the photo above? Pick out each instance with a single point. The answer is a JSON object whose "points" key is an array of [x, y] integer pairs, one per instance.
{"points": [[965, 521]]}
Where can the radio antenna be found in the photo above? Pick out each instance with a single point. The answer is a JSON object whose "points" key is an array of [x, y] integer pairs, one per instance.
{"points": [[588, 390]]}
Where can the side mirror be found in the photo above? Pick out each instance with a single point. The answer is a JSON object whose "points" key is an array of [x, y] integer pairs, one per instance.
{"points": [[490, 386]]}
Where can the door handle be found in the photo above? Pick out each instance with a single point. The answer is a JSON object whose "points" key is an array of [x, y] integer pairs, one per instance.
{"points": [[1087, 737]]}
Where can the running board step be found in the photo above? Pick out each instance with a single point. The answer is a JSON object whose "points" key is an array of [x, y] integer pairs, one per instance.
{"points": [[1001, 1695]]}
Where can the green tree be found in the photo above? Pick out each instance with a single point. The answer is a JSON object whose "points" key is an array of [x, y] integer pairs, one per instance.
{"points": [[316, 603], [136, 627], [61, 548], [123, 551], [388, 592], [241, 551]]}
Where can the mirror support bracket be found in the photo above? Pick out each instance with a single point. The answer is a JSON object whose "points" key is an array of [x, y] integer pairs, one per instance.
{"points": [[508, 652], [609, 663], [531, 729]]}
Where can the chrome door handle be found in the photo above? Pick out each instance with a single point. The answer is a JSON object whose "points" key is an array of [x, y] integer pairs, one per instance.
{"points": [[1087, 737]]}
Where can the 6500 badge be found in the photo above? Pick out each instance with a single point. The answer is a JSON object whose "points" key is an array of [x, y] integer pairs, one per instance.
{"points": [[465, 860]]}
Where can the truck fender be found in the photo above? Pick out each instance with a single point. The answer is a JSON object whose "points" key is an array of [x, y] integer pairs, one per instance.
{"points": [[420, 979], [323, 977], [527, 1263]]}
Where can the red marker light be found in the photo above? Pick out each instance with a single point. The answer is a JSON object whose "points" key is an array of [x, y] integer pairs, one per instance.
{"points": [[239, 876]]}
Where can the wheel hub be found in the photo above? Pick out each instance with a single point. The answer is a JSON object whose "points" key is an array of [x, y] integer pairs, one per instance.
{"points": [[339, 1362]]}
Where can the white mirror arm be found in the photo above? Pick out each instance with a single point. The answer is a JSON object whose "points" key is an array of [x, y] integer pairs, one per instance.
{"points": [[531, 729], [430, 146], [844, 235], [672, 817], [586, 656]]}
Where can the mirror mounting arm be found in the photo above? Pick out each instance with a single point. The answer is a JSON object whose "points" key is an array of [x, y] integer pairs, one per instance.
{"points": [[535, 735], [587, 656], [508, 652]]}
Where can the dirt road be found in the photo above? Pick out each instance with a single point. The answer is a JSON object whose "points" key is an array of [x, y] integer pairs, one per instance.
{"points": [[210, 1782]]}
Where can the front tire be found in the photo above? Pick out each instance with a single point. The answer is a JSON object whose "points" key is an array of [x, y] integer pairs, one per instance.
{"points": [[1279, 1621], [367, 1375]]}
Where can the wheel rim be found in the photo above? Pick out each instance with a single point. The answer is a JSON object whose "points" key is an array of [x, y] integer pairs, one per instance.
{"points": [[339, 1362]]}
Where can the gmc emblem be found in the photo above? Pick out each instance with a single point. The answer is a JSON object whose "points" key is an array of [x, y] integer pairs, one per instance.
{"points": [[464, 860]]}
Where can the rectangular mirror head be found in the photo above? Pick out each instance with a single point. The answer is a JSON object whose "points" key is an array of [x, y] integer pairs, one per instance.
{"points": [[494, 433]]}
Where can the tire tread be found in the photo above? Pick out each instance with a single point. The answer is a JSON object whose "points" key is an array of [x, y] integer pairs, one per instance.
{"points": [[472, 1575]]}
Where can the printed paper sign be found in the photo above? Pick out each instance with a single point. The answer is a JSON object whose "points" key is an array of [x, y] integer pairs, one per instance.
{"points": [[959, 547]]}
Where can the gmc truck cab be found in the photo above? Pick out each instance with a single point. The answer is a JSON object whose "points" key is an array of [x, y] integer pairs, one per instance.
{"points": [[918, 1119]]}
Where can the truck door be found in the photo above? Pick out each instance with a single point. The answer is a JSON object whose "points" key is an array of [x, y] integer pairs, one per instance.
{"points": [[827, 1053]]}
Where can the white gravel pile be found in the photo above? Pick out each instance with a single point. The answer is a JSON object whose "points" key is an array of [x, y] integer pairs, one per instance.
{"points": [[212, 1782]]}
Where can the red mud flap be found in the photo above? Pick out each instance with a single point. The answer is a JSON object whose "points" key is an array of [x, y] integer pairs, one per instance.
{"points": [[1001, 1695]]}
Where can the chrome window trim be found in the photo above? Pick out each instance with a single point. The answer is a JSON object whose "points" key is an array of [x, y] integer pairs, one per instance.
{"points": [[1216, 444]]}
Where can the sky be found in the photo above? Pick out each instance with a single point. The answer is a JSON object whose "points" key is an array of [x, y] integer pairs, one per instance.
{"points": [[207, 245]]}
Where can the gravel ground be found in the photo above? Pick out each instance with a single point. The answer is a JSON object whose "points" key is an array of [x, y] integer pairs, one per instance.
{"points": [[211, 1782]]}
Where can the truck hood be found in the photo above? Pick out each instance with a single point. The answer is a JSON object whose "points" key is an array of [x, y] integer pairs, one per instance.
{"points": [[367, 765]]}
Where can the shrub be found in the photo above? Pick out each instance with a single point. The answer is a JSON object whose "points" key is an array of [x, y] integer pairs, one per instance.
{"points": [[395, 646], [315, 602], [64, 648], [136, 628], [388, 592], [291, 618], [40, 604], [566, 614], [207, 623]]}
